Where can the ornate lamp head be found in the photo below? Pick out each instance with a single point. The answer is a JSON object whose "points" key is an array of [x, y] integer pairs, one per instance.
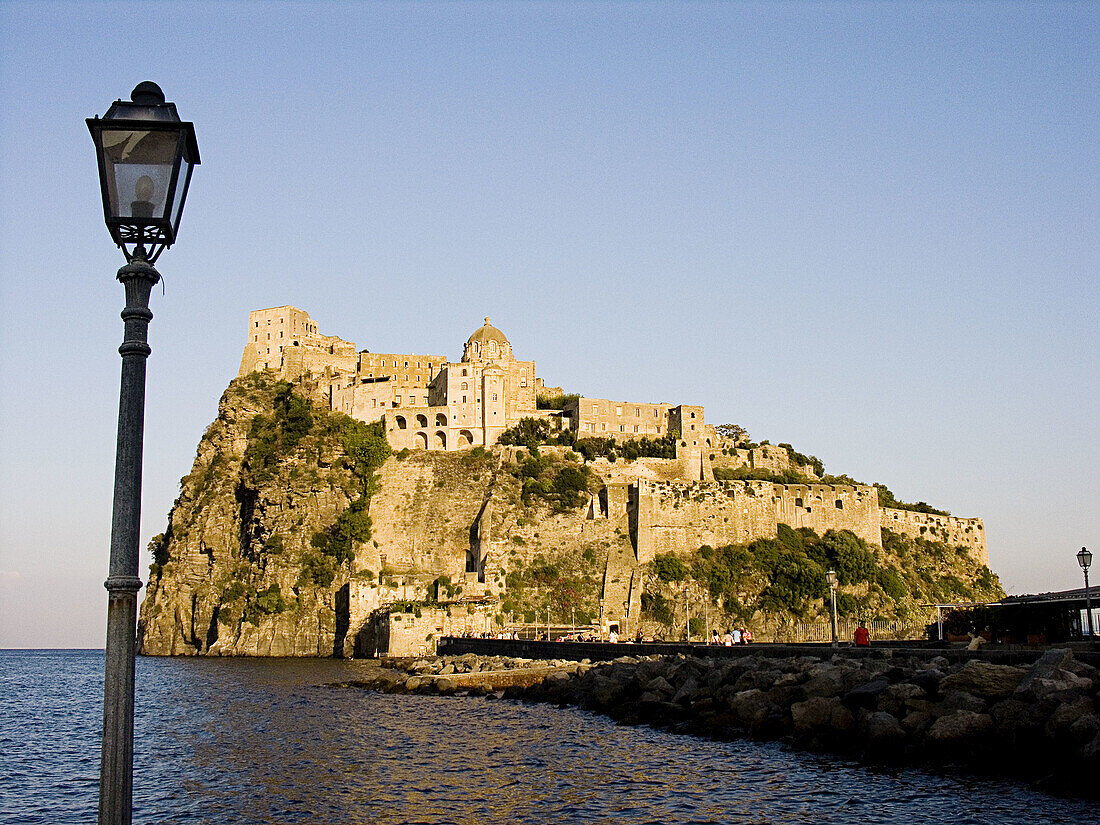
{"points": [[146, 155]]}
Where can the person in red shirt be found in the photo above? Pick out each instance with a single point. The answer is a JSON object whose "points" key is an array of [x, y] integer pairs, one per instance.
{"points": [[862, 636]]}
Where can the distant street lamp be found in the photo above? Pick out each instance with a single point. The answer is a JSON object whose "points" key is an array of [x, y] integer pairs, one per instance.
{"points": [[146, 155], [687, 614], [830, 577], [1084, 558]]}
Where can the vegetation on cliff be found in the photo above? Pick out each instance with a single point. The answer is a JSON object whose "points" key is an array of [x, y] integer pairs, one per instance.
{"points": [[264, 526], [783, 579], [535, 432]]}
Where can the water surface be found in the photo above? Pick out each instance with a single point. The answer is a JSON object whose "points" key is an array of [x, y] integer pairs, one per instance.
{"points": [[264, 741]]}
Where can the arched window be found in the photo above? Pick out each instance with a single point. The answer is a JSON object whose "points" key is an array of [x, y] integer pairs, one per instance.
{"points": [[422, 421], [465, 385], [440, 441], [464, 371], [492, 349], [401, 422], [441, 420]]}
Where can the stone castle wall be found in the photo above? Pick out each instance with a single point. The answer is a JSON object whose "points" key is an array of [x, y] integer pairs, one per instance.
{"points": [[824, 507], [965, 532], [765, 457], [681, 516]]}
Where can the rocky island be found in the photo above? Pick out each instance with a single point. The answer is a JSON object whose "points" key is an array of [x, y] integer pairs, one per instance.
{"points": [[352, 503]]}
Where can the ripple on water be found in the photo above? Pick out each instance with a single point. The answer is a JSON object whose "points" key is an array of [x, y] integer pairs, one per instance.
{"points": [[255, 741]]}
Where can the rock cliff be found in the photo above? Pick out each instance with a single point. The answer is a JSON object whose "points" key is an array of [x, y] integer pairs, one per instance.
{"points": [[283, 540], [255, 557]]}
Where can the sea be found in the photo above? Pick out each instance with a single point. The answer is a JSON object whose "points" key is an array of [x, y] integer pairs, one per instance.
{"points": [[272, 741]]}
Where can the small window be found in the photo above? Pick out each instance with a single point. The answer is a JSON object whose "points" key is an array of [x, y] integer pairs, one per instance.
{"points": [[839, 504], [693, 415], [798, 502], [464, 371], [464, 399], [618, 411], [494, 396], [465, 386]]}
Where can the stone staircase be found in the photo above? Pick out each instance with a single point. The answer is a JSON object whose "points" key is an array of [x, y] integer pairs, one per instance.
{"points": [[622, 586]]}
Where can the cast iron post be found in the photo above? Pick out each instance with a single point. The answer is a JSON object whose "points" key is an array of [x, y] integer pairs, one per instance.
{"points": [[117, 759], [1084, 558]]}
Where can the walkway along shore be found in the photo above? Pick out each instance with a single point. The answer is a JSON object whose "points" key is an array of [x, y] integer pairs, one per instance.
{"points": [[1034, 717]]}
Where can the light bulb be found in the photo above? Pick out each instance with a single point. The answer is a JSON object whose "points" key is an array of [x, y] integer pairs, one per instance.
{"points": [[143, 189]]}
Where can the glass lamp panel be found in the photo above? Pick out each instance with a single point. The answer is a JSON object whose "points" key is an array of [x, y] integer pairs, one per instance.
{"points": [[139, 171], [182, 182]]}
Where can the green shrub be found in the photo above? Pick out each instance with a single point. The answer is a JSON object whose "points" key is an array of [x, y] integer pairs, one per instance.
{"points": [[556, 402], [886, 499], [788, 476], [316, 570], [269, 601], [805, 460], [848, 555], [846, 604], [669, 568], [891, 583], [657, 608]]}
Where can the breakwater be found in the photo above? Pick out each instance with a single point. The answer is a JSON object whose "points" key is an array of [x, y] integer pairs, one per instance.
{"points": [[1031, 715]]}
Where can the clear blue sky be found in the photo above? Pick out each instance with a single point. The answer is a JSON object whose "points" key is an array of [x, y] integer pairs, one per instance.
{"points": [[868, 229]]}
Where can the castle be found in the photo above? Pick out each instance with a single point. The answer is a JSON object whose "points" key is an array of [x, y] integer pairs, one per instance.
{"points": [[429, 403], [426, 402]]}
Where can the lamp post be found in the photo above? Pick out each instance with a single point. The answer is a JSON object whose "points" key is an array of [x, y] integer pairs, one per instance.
{"points": [[830, 577], [146, 155], [1084, 558], [687, 615]]}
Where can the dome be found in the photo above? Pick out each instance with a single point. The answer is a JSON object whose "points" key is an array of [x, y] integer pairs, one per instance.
{"points": [[487, 333], [487, 344]]}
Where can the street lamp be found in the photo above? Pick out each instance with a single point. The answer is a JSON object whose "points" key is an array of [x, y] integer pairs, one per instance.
{"points": [[146, 155], [1084, 558], [830, 577]]}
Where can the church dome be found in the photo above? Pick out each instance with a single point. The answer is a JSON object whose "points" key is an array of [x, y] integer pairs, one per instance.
{"points": [[487, 343]]}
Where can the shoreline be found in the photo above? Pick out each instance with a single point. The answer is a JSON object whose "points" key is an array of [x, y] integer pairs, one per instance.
{"points": [[1038, 723]]}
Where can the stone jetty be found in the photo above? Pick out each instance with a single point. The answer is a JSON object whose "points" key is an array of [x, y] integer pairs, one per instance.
{"points": [[1040, 722]]}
